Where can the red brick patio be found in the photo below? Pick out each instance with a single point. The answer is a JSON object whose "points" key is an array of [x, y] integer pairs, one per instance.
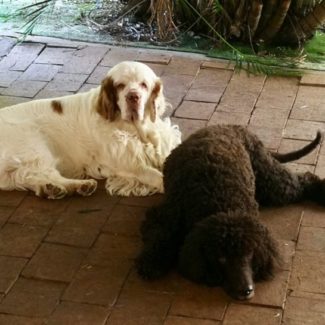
{"points": [[71, 261]]}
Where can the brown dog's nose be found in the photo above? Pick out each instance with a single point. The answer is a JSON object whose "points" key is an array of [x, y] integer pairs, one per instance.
{"points": [[248, 290], [132, 97]]}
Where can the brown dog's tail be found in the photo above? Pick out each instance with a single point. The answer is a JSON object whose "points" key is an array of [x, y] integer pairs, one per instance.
{"points": [[294, 155]]}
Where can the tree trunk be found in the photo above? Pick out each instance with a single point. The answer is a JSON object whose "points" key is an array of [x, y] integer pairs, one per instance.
{"points": [[285, 22], [313, 20], [236, 27], [275, 22], [269, 7], [254, 17], [298, 30]]}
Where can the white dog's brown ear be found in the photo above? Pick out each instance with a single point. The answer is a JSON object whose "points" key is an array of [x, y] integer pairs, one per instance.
{"points": [[107, 100], [156, 100]]}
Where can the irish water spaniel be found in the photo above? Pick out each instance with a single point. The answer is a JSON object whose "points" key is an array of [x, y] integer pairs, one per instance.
{"points": [[208, 222]]}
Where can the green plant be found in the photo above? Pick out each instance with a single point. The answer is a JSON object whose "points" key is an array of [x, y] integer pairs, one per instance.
{"points": [[251, 63], [33, 13]]}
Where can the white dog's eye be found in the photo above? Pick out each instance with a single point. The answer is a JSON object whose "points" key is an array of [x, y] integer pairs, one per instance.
{"points": [[120, 86], [144, 85]]}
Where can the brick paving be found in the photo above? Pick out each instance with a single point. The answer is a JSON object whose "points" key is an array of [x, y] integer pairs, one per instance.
{"points": [[71, 261]]}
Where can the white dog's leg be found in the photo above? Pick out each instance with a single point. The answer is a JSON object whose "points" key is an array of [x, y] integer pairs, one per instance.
{"points": [[148, 136], [139, 182], [59, 187], [148, 176], [51, 184], [84, 187], [152, 177]]}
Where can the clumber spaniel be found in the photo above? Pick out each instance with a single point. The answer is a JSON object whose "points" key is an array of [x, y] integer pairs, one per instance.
{"points": [[116, 131]]}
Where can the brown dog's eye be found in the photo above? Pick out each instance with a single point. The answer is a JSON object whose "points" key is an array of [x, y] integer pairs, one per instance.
{"points": [[144, 85], [120, 86]]}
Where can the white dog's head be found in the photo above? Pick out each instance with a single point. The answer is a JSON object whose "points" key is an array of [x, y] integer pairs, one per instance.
{"points": [[133, 91]]}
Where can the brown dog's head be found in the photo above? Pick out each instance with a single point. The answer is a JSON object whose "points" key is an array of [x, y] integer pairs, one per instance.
{"points": [[132, 91], [231, 250]]}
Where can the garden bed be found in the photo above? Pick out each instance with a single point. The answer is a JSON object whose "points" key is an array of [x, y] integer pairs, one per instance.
{"points": [[99, 21]]}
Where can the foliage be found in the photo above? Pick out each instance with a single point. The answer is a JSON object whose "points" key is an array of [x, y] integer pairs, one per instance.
{"points": [[249, 61], [34, 12], [289, 22], [234, 27], [315, 48]]}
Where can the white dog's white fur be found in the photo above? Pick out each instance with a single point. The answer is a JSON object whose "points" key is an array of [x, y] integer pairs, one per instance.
{"points": [[115, 131]]}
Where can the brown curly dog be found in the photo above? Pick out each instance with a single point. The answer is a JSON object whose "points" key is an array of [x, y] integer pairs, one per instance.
{"points": [[208, 222]]}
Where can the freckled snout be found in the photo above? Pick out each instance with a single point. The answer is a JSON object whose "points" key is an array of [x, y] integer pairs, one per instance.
{"points": [[133, 101], [133, 97]]}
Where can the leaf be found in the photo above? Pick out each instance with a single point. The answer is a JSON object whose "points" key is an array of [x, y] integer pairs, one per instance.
{"points": [[33, 13], [217, 6]]}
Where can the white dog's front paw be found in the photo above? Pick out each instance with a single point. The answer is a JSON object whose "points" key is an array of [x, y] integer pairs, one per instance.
{"points": [[52, 191], [88, 187]]}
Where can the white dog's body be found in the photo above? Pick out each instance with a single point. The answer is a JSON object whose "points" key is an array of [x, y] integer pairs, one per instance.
{"points": [[50, 146]]}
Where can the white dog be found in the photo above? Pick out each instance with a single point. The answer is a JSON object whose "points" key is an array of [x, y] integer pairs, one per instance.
{"points": [[115, 131]]}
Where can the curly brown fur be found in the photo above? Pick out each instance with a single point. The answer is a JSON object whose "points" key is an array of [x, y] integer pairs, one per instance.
{"points": [[231, 250], [213, 183]]}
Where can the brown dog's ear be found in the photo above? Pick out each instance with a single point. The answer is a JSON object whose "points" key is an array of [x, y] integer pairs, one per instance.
{"points": [[107, 100], [156, 100]]}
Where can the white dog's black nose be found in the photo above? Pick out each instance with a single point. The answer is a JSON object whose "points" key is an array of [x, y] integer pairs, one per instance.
{"points": [[132, 97]]}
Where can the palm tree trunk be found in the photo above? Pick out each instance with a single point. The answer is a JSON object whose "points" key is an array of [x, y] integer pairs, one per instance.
{"points": [[275, 23], [286, 22], [236, 27], [299, 29], [161, 12], [313, 20], [254, 17], [269, 7]]}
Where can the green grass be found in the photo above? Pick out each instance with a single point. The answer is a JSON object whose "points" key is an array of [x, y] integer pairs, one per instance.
{"points": [[315, 48]]}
